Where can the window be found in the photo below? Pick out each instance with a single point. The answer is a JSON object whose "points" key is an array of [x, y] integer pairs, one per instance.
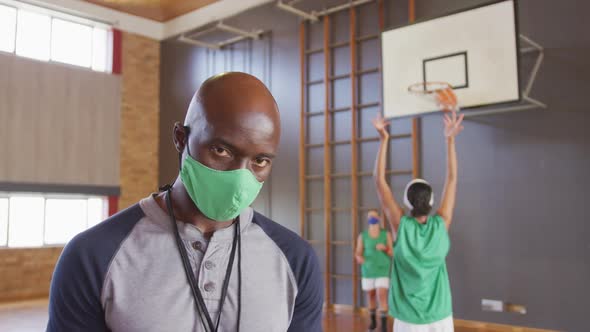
{"points": [[7, 28], [32, 35], [97, 211], [100, 51], [25, 221], [35, 220], [71, 43], [46, 35], [3, 221], [64, 218]]}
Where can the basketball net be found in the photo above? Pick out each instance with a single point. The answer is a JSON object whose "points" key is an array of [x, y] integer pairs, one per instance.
{"points": [[438, 93]]}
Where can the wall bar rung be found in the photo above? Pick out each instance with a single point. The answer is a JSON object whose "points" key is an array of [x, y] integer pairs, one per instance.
{"points": [[320, 81], [357, 73], [367, 37], [376, 139], [341, 44], [340, 109], [314, 51], [347, 108], [366, 105], [365, 173], [314, 241], [339, 175], [388, 172], [341, 276], [368, 71], [331, 143], [335, 110], [368, 208], [310, 114], [368, 139], [314, 209], [341, 243], [343, 142], [315, 145], [340, 209], [339, 77]]}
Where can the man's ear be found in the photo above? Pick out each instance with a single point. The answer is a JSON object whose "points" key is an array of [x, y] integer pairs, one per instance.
{"points": [[180, 136]]}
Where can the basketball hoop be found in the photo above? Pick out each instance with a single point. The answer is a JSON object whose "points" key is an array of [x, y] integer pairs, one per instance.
{"points": [[426, 88], [439, 93]]}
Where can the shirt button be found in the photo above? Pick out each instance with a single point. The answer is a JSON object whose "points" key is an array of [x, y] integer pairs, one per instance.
{"points": [[209, 287], [197, 245], [209, 265]]}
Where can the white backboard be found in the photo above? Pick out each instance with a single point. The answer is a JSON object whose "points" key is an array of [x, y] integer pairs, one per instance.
{"points": [[476, 51]]}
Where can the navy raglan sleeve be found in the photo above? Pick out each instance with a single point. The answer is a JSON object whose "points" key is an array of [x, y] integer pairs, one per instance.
{"points": [[74, 299], [76, 286], [307, 315]]}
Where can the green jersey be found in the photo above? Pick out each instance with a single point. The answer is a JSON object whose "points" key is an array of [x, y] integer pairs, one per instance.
{"points": [[420, 291], [377, 262]]}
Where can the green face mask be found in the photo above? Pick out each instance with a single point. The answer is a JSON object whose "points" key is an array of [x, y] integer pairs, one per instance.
{"points": [[219, 195]]}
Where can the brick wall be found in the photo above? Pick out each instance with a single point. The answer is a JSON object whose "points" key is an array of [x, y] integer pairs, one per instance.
{"points": [[26, 273], [140, 118]]}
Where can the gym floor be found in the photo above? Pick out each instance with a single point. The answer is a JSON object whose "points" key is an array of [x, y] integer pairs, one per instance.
{"points": [[31, 316]]}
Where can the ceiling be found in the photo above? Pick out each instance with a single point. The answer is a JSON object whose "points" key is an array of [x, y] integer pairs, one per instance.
{"points": [[158, 10]]}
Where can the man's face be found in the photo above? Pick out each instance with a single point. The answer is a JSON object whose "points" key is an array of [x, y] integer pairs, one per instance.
{"points": [[246, 140]]}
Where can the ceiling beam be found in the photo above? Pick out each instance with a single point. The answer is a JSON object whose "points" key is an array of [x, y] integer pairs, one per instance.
{"points": [[216, 11], [145, 27]]}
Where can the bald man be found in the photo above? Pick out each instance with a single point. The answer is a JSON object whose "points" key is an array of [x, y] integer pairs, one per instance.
{"points": [[196, 257]]}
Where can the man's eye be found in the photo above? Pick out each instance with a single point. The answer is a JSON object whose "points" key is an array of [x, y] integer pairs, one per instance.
{"points": [[221, 152], [262, 162]]}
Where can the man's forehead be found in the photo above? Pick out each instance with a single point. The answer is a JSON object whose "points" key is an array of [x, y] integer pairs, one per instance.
{"points": [[230, 94], [256, 128]]}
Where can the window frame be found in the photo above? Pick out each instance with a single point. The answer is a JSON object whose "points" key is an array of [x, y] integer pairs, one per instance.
{"points": [[7, 197], [51, 43], [55, 14], [46, 196], [15, 26]]}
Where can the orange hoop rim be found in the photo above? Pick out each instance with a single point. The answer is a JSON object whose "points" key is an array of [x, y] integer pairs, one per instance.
{"points": [[420, 88]]}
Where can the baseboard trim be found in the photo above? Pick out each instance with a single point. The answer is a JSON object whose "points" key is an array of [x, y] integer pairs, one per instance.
{"points": [[24, 303], [480, 326]]}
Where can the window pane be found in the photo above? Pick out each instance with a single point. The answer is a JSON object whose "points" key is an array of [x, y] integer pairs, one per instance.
{"points": [[64, 218], [7, 28], [26, 221], [71, 43], [32, 35], [96, 211], [3, 221], [100, 49]]}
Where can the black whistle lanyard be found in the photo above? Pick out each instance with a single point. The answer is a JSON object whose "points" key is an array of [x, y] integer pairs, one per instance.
{"points": [[199, 301]]}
